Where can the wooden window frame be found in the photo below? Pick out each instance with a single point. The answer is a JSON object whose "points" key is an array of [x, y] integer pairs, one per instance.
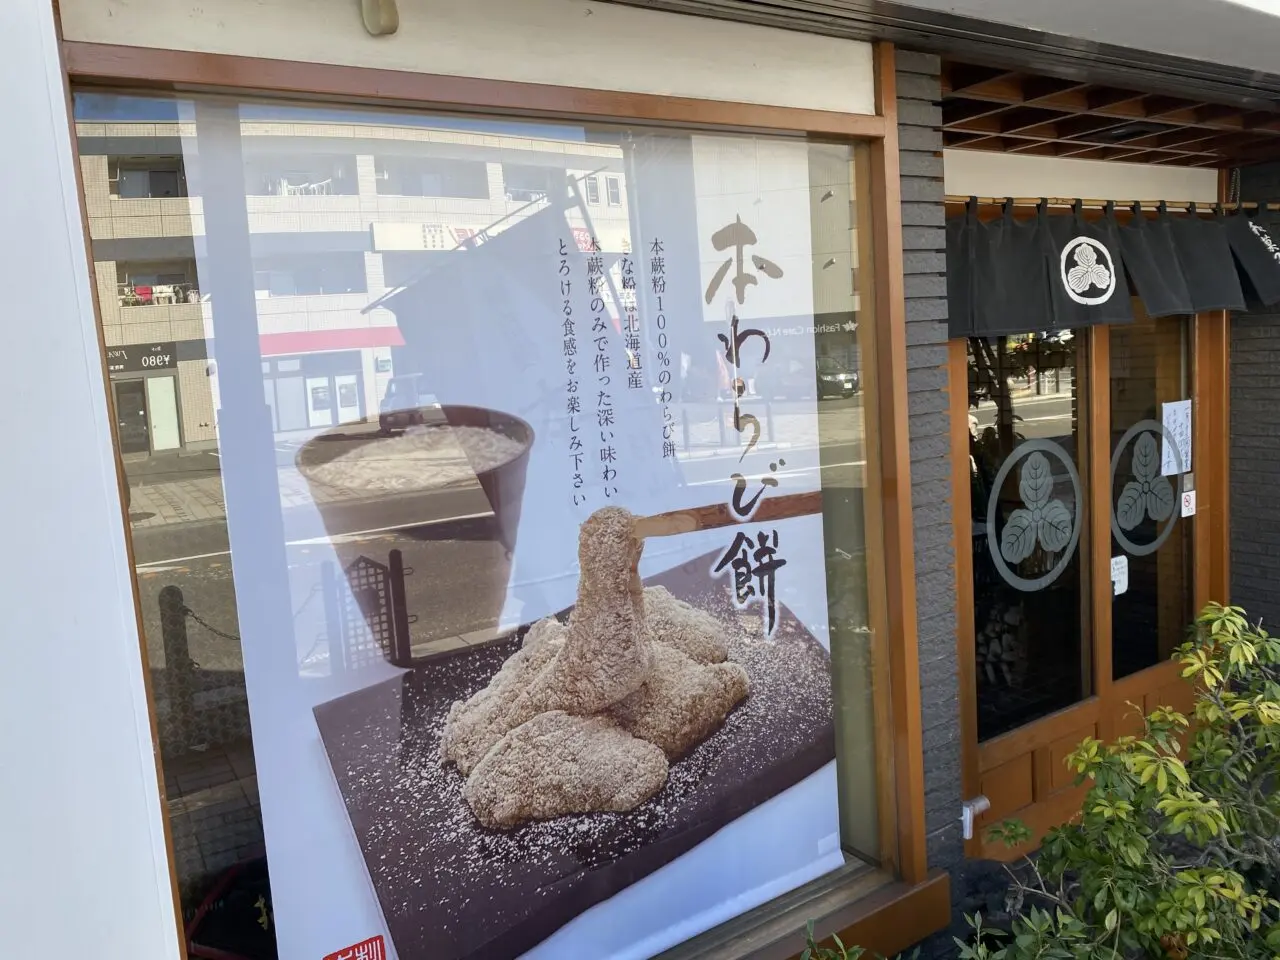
{"points": [[1107, 707], [912, 889]]}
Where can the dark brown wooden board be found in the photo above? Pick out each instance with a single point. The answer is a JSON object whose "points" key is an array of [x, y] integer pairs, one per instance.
{"points": [[452, 890]]}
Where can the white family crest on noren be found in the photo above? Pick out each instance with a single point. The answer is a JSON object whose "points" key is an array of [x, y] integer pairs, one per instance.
{"points": [[1088, 271]]}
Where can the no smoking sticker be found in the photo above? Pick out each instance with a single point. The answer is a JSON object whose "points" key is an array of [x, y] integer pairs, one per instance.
{"points": [[1188, 503]]}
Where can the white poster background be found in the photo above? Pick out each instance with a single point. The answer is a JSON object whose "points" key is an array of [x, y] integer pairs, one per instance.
{"points": [[323, 898]]}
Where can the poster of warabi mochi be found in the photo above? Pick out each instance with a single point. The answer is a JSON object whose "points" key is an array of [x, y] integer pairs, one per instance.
{"points": [[593, 716]]}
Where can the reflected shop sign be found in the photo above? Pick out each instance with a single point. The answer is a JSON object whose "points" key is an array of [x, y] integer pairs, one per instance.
{"points": [[809, 329], [141, 357]]}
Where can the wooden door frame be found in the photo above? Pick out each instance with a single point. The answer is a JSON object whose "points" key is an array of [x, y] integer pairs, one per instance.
{"points": [[1046, 739]]}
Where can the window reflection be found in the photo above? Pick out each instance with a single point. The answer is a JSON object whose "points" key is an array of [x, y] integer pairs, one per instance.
{"points": [[337, 323]]}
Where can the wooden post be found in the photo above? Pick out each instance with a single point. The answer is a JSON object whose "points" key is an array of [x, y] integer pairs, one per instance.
{"points": [[895, 469]]}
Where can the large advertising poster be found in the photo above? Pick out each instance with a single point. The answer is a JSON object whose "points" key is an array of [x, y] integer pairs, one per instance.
{"points": [[580, 704]]}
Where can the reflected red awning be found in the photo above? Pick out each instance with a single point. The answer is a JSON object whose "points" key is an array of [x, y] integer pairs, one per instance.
{"points": [[311, 341]]}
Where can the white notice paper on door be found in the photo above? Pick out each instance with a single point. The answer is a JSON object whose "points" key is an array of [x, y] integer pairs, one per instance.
{"points": [[1119, 574], [1176, 419]]}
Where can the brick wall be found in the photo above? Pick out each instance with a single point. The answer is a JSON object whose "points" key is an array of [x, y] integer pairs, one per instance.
{"points": [[1255, 436], [924, 263]]}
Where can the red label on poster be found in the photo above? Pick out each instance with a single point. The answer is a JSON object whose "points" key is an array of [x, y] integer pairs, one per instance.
{"points": [[372, 949]]}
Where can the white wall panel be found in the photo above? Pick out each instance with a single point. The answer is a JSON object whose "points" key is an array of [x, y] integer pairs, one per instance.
{"points": [[572, 43], [85, 870], [985, 174]]}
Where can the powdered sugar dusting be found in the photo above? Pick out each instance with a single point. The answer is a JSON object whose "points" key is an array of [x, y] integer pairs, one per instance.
{"points": [[450, 887]]}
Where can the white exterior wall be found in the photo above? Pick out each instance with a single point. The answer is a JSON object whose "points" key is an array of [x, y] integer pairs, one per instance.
{"points": [[196, 408], [85, 868], [573, 43], [982, 173]]}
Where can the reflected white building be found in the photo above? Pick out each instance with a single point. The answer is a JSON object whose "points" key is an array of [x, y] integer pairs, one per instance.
{"points": [[340, 213]]}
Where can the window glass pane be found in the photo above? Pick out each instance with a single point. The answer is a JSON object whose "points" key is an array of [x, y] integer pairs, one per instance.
{"points": [[134, 183], [462, 366], [164, 183], [274, 174], [1027, 445], [1150, 373], [407, 175]]}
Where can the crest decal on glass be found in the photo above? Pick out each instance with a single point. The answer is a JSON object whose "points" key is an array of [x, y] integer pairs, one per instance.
{"points": [[1045, 521], [1149, 494]]}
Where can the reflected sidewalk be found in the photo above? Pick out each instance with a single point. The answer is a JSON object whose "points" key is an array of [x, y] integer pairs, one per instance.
{"points": [[201, 498], [197, 499]]}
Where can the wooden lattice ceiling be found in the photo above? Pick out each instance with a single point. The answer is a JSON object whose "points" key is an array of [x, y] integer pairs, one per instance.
{"points": [[984, 108]]}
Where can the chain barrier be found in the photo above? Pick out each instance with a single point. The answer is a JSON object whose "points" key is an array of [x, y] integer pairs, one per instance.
{"points": [[316, 590], [192, 615]]}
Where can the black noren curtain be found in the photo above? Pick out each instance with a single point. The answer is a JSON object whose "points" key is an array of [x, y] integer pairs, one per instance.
{"points": [[1207, 264], [1257, 259], [1061, 271], [1146, 246]]}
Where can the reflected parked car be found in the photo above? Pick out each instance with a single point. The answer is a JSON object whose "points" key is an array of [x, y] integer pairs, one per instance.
{"points": [[796, 380], [399, 408], [835, 379]]}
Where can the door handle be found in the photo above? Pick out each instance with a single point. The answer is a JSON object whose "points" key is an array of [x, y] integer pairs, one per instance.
{"points": [[970, 810]]}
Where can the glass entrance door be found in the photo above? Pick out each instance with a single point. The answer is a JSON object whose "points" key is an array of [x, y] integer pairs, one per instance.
{"points": [[348, 397], [1150, 470], [1027, 396], [320, 401], [131, 416], [1079, 564]]}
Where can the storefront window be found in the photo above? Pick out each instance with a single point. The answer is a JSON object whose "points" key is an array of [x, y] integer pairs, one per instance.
{"points": [[1027, 398], [534, 534], [1150, 469]]}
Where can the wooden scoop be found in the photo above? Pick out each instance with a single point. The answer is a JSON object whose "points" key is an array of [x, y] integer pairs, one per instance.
{"points": [[666, 524], [719, 515]]}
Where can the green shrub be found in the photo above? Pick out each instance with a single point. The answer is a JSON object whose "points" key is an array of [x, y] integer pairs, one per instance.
{"points": [[1169, 857], [812, 951], [840, 952]]}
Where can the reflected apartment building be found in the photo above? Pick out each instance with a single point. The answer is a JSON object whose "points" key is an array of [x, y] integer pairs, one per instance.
{"points": [[339, 215]]}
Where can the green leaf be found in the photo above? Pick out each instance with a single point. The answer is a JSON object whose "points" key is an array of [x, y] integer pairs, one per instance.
{"points": [[1111, 920]]}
